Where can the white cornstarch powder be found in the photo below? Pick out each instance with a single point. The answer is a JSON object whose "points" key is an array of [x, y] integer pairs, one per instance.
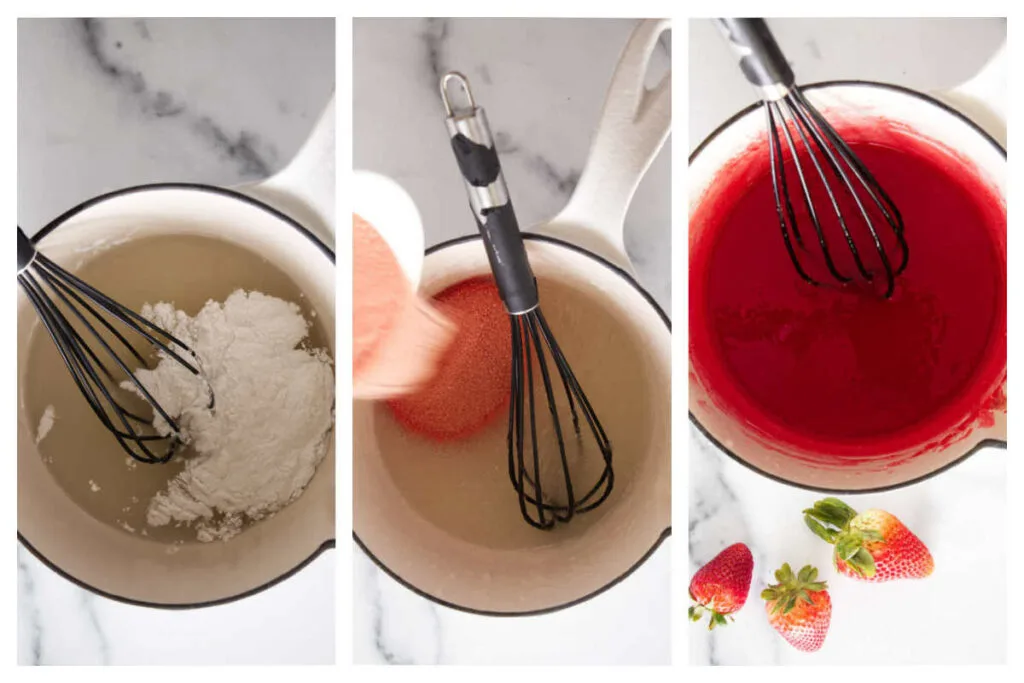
{"points": [[270, 427]]}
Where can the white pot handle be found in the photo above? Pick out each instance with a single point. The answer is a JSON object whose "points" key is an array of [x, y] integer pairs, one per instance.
{"points": [[304, 189], [983, 97], [635, 123]]}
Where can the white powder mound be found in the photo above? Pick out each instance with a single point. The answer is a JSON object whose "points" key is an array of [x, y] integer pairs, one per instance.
{"points": [[270, 426]]}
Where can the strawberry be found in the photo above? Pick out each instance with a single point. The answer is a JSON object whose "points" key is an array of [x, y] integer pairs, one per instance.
{"points": [[721, 586], [872, 545], [799, 607]]}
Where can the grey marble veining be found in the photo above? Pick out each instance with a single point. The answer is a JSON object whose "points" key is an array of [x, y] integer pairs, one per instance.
{"points": [[543, 83], [105, 104]]}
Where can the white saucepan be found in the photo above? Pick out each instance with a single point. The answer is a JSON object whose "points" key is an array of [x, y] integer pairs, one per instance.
{"points": [[287, 222], [444, 519], [969, 121]]}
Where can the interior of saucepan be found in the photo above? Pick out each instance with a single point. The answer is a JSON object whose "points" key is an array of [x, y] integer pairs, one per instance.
{"points": [[852, 104], [185, 246], [444, 518]]}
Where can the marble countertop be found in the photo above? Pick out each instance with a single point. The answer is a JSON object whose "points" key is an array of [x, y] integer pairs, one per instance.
{"points": [[110, 103], [563, 68], [898, 623]]}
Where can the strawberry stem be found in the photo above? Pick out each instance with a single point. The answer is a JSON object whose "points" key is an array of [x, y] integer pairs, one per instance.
{"points": [[791, 588], [830, 519]]}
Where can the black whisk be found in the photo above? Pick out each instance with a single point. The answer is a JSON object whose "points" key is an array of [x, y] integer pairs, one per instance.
{"points": [[788, 111], [532, 339], [55, 293]]}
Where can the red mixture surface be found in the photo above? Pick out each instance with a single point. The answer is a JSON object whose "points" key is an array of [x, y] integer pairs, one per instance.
{"points": [[839, 370], [473, 380]]}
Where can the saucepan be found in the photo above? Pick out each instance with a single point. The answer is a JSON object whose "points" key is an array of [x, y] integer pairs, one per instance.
{"points": [[970, 122], [442, 518], [282, 226]]}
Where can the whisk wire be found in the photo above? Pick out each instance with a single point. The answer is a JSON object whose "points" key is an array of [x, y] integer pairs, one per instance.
{"points": [[573, 388], [113, 355], [881, 199], [806, 190], [780, 191], [52, 291], [75, 355], [786, 107], [570, 507], [136, 322], [531, 337]]}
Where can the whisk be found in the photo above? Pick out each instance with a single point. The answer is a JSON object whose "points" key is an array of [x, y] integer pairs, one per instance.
{"points": [[787, 110], [532, 339], [57, 294]]}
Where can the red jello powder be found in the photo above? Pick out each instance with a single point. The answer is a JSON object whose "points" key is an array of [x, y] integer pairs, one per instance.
{"points": [[838, 370], [472, 384]]}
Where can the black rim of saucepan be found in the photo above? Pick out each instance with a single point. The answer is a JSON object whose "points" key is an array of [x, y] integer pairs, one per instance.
{"points": [[665, 533], [56, 223], [985, 443]]}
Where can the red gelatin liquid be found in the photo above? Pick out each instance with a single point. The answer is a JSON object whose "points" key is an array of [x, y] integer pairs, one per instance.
{"points": [[837, 370]]}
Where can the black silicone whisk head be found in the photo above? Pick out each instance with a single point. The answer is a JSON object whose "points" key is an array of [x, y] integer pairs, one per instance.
{"points": [[543, 453], [804, 146], [83, 324]]}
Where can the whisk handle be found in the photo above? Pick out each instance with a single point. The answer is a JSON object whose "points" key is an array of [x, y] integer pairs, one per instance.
{"points": [[480, 167], [26, 250], [761, 58]]}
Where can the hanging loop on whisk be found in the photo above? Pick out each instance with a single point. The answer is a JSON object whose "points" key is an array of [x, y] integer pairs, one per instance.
{"points": [[449, 110], [475, 153]]}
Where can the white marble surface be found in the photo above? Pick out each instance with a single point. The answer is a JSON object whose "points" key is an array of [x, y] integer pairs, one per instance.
{"points": [[112, 103], [958, 514], [543, 83]]}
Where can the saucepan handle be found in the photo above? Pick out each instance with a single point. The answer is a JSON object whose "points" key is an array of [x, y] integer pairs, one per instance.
{"points": [[304, 189], [634, 124], [983, 97]]}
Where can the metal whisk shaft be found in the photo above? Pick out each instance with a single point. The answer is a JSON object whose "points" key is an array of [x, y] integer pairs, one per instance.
{"points": [[53, 291], [812, 145]]}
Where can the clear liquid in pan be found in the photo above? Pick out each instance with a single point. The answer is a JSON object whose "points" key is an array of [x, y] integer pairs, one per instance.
{"points": [[463, 487], [79, 452]]}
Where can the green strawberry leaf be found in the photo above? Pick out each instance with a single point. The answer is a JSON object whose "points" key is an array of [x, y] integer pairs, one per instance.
{"points": [[832, 512], [848, 545], [863, 563]]}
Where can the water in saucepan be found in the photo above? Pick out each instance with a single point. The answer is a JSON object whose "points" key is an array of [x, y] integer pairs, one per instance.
{"points": [[463, 486], [79, 452]]}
